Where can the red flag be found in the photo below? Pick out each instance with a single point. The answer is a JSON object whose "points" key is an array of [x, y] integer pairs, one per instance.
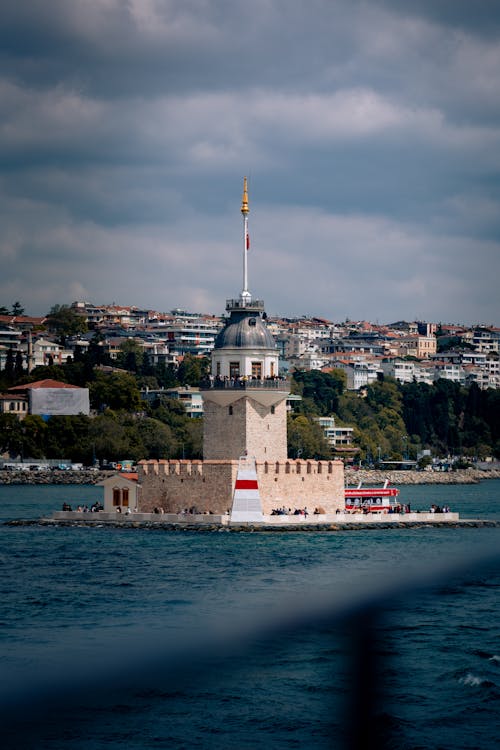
{"points": [[248, 241]]}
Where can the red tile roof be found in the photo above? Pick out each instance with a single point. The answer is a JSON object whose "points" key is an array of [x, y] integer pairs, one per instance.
{"points": [[48, 383]]}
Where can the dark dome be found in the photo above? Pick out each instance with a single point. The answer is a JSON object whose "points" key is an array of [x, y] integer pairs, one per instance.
{"points": [[245, 331]]}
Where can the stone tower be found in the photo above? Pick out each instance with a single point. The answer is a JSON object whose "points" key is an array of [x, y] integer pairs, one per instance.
{"points": [[245, 406], [244, 416]]}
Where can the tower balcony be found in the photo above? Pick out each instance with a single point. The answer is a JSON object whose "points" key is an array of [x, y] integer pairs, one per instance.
{"points": [[244, 384], [250, 305]]}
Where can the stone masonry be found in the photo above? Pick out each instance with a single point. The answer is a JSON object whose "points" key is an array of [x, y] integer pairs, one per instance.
{"points": [[207, 486], [244, 425]]}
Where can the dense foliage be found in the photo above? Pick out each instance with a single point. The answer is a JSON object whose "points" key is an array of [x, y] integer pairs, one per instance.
{"points": [[395, 421], [390, 420]]}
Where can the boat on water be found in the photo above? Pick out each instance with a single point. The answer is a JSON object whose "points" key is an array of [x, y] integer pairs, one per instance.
{"points": [[372, 499]]}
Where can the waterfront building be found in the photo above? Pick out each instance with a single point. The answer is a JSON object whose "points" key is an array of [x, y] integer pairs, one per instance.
{"points": [[245, 409]]}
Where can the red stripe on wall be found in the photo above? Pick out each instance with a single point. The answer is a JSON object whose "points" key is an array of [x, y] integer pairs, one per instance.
{"points": [[246, 484]]}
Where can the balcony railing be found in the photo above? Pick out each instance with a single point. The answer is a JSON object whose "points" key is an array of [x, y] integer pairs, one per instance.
{"points": [[243, 384], [239, 304]]}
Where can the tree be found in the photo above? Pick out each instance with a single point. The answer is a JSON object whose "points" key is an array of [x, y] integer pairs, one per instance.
{"points": [[193, 370], [131, 355], [116, 390], [9, 366], [10, 434], [306, 439], [109, 438], [323, 389], [17, 308], [157, 438], [18, 366], [4, 310], [65, 321]]}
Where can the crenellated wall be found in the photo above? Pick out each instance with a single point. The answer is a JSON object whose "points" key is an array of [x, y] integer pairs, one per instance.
{"points": [[208, 486]]}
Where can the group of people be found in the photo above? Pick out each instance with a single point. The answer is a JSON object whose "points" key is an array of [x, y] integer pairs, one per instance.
{"points": [[95, 508], [437, 509], [289, 512]]}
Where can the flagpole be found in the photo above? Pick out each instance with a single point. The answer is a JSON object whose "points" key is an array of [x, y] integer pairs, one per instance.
{"points": [[245, 294]]}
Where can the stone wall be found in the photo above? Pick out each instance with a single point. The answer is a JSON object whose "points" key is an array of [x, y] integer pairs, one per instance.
{"points": [[208, 486], [244, 425]]}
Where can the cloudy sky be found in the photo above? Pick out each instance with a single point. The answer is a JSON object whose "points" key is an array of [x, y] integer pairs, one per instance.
{"points": [[369, 131]]}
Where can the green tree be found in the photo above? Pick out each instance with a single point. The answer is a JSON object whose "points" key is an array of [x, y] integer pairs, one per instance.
{"points": [[109, 437], [18, 366], [131, 356], [17, 308], [321, 389], [193, 370], [68, 437], [306, 438], [10, 434], [33, 430], [157, 438], [9, 366], [65, 321], [114, 390]]}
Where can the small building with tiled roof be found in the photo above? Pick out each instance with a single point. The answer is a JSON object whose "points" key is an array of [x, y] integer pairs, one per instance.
{"points": [[52, 398], [120, 492]]}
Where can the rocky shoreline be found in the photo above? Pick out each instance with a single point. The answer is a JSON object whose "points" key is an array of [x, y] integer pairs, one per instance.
{"points": [[352, 478], [374, 477], [54, 477], [251, 528]]}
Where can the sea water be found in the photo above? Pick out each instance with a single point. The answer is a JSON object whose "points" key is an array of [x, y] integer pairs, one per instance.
{"points": [[92, 605]]}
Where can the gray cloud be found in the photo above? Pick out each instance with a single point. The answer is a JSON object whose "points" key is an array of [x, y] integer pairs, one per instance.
{"points": [[370, 134]]}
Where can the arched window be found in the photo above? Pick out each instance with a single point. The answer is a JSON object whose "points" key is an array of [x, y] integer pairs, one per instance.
{"points": [[230, 411]]}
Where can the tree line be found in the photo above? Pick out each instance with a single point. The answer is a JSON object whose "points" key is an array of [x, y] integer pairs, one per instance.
{"points": [[393, 420], [390, 420]]}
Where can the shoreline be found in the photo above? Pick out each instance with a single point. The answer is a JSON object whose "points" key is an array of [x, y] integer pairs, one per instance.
{"points": [[208, 528], [369, 477]]}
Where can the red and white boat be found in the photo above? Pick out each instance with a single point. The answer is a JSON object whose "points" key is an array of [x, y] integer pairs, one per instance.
{"points": [[372, 499]]}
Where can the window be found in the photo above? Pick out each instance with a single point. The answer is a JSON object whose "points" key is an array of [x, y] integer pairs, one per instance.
{"points": [[272, 369], [234, 369], [257, 370], [230, 410], [116, 496], [125, 497], [273, 409], [218, 370]]}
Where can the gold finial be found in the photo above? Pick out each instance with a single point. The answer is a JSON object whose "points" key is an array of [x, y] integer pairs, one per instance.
{"points": [[244, 202]]}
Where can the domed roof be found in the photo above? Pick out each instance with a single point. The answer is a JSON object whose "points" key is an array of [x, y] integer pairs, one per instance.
{"points": [[245, 331]]}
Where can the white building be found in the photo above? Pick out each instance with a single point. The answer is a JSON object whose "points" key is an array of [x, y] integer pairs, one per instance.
{"points": [[358, 374]]}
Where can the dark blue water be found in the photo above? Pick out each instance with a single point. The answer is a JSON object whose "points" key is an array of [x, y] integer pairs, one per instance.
{"points": [[75, 598]]}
